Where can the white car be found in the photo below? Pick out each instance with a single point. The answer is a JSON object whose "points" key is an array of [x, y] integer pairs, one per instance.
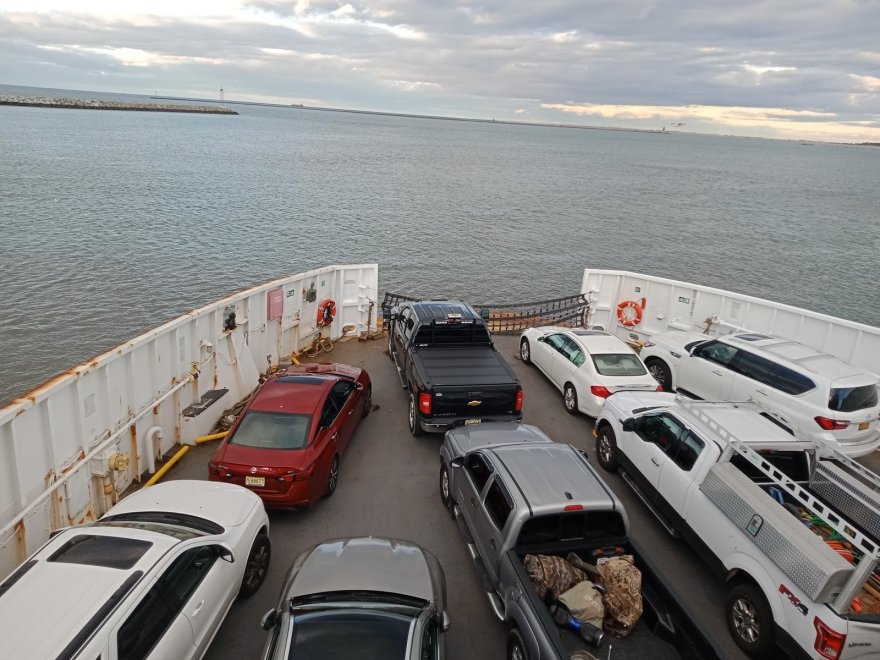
{"points": [[586, 365], [153, 578], [814, 395]]}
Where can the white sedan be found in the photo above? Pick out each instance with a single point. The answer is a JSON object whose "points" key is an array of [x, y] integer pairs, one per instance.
{"points": [[586, 365]]}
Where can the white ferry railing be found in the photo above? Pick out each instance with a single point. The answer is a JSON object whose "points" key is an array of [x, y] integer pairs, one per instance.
{"points": [[70, 447], [674, 305]]}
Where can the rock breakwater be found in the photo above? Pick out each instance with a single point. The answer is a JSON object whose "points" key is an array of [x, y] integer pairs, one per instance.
{"points": [[96, 104]]}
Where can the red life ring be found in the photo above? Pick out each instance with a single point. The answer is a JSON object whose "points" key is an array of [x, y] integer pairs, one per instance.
{"points": [[326, 313], [633, 319]]}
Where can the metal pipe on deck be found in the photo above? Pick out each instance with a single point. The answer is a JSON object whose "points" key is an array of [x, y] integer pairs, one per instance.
{"points": [[167, 466], [207, 438]]}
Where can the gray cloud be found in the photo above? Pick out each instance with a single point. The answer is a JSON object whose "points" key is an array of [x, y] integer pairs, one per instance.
{"points": [[493, 58]]}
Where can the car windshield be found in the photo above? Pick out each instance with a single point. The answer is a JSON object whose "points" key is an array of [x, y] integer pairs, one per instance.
{"points": [[618, 364], [848, 399], [272, 430], [333, 634]]}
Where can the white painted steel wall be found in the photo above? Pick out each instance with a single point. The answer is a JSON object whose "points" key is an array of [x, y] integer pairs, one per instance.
{"points": [[64, 445], [674, 305]]}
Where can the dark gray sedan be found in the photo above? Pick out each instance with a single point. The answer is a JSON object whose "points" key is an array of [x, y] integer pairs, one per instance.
{"points": [[378, 598]]}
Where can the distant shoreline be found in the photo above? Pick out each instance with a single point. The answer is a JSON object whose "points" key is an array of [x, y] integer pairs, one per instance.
{"points": [[94, 104], [510, 122]]}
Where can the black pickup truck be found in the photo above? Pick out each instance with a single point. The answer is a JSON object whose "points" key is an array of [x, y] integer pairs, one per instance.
{"points": [[446, 359]]}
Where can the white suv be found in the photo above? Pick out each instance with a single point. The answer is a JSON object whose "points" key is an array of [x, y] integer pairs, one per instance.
{"points": [[153, 578], [815, 395]]}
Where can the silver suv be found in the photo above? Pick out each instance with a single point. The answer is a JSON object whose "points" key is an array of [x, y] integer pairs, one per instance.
{"points": [[815, 395]]}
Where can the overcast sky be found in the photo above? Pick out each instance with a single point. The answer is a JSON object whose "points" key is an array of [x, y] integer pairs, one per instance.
{"points": [[800, 69]]}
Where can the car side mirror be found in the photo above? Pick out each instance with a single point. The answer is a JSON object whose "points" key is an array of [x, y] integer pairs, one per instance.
{"points": [[457, 462], [358, 386], [542, 338], [629, 424], [269, 620], [225, 553], [444, 622]]}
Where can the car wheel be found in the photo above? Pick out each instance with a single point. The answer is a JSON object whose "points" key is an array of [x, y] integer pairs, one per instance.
{"points": [[606, 448], [516, 647], [368, 400], [257, 566], [525, 351], [445, 494], [414, 427], [570, 399], [750, 620], [333, 475], [660, 371]]}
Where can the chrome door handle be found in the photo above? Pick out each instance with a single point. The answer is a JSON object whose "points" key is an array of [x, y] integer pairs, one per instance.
{"points": [[198, 608], [492, 543], [718, 373], [350, 411], [473, 503], [335, 435], [760, 391], [654, 461]]}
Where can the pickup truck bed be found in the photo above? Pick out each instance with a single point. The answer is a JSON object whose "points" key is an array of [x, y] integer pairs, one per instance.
{"points": [[463, 366], [663, 632]]}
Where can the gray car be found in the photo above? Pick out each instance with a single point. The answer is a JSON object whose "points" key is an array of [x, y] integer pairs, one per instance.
{"points": [[384, 598]]}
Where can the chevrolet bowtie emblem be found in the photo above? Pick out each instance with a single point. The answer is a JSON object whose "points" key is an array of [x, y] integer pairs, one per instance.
{"points": [[474, 403]]}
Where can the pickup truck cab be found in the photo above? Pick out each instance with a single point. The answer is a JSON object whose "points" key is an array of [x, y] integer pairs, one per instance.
{"points": [[447, 361], [750, 498], [513, 492]]}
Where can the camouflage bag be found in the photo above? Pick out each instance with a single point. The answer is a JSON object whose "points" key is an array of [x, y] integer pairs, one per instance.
{"points": [[551, 575], [623, 594]]}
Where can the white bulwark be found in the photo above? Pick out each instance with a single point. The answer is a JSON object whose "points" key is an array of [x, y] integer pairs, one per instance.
{"points": [[672, 305], [71, 446]]}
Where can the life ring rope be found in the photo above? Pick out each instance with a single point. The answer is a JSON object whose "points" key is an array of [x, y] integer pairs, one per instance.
{"points": [[326, 313], [632, 318]]}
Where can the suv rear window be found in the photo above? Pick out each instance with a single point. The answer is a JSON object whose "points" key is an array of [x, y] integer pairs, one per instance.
{"points": [[848, 399], [107, 551]]}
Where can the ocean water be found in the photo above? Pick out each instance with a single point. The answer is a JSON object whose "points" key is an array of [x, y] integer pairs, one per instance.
{"points": [[114, 222]]}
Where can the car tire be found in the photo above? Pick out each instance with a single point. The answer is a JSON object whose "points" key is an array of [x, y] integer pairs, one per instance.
{"points": [[570, 399], [368, 400], [445, 492], [333, 475], [525, 351], [606, 448], [750, 620], [415, 428], [660, 371], [256, 567], [516, 647]]}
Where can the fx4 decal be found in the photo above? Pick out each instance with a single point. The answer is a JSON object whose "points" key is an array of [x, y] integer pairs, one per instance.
{"points": [[794, 599]]}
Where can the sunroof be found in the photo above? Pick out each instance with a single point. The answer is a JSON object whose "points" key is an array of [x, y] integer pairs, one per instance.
{"points": [[107, 551], [302, 380], [753, 337]]}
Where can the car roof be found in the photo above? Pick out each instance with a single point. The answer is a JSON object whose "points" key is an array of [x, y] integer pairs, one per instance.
{"points": [[364, 564], [551, 473], [793, 352], [293, 393], [437, 310], [48, 606]]}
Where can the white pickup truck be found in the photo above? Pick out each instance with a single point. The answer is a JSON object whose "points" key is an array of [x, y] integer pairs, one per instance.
{"points": [[745, 494]]}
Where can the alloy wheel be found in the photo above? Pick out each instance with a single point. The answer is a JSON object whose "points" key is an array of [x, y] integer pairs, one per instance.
{"points": [[745, 620]]}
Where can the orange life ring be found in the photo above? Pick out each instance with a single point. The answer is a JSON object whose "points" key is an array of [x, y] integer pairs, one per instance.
{"points": [[635, 318], [326, 313]]}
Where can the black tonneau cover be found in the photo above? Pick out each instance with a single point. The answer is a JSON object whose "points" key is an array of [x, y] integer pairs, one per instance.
{"points": [[466, 366]]}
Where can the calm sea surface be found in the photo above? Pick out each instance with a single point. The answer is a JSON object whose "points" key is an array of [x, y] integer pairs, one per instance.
{"points": [[114, 222]]}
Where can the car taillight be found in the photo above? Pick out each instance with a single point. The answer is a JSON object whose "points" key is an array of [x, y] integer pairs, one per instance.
{"points": [[831, 424], [600, 391], [829, 643], [297, 475], [659, 388], [425, 403], [220, 470], [517, 407]]}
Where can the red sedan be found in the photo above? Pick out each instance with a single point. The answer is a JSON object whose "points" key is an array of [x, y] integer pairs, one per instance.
{"points": [[286, 444]]}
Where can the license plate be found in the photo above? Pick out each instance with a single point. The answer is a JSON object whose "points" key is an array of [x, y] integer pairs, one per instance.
{"points": [[472, 421], [255, 481], [864, 425]]}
